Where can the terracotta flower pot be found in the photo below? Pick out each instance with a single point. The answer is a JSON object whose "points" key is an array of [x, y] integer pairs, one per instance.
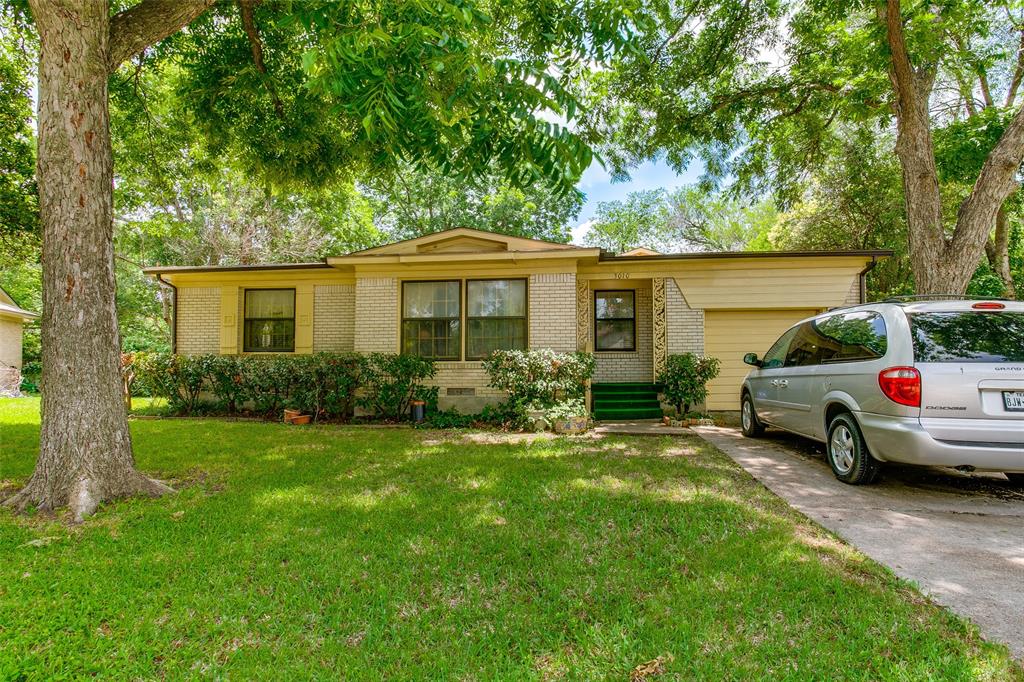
{"points": [[289, 415], [300, 419]]}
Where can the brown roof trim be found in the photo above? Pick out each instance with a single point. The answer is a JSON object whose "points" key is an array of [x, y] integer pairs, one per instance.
{"points": [[170, 269], [876, 253]]}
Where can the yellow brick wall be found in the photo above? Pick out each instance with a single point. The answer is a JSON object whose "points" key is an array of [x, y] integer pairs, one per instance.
{"points": [[198, 320], [376, 315], [452, 376], [553, 311], [684, 327], [334, 309]]}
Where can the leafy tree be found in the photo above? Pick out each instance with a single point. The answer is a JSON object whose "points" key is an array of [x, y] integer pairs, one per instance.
{"points": [[19, 210], [756, 90], [715, 221], [302, 92], [622, 225], [416, 201]]}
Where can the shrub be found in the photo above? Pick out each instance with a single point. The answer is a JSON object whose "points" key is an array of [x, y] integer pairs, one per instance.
{"points": [[392, 381], [327, 384], [684, 379], [567, 409], [539, 377], [227, 381], [178, 378], [30, 374]]}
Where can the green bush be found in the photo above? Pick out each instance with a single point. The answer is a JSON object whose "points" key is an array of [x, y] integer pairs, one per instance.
{"points": [[30, 374], [322, 384], [327, 385], [390, 382], [539, 378], [684, 379], [178, 378]]}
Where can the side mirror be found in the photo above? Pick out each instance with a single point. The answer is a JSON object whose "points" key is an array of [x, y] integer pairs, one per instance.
{"points": [[751, 359]]}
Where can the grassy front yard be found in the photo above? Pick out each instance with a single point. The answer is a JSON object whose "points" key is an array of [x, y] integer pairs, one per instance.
{"points": [[354, 553]]}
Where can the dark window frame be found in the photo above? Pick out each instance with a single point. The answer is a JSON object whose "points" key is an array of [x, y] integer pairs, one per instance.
{"points": [[632, 348], [246, 347], [525, 317], [462, 312]]}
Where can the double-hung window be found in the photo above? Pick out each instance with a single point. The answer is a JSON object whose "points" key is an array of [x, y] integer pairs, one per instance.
{"points": [[269, 321], [495, 316], [615, 320], [431, 319]]}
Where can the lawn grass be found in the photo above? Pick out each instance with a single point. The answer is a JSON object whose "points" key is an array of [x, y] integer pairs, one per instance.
{"points": [[357, 553]]}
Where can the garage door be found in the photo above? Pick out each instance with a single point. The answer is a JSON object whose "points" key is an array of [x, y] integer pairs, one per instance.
{"points": [[729, 334]]}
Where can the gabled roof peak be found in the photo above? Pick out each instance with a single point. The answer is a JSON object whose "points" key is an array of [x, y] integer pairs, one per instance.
{"points": [[463, 240]]}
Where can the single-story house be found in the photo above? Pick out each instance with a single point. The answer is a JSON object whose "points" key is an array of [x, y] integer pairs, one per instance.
{"points": [[12, 318], [456, 296]]}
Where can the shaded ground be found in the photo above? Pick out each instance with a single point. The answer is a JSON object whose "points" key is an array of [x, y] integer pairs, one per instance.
{"points": [[360, 554], [960, 537]]}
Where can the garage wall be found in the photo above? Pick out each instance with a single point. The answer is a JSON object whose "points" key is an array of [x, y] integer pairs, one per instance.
{"points": [[730, 334]]}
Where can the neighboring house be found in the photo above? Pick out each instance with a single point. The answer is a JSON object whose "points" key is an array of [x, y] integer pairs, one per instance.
{"points": [[12, 317], [456, 296]]}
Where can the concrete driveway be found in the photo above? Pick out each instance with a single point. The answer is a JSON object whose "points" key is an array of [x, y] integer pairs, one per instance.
{"points": [[959, 537]]}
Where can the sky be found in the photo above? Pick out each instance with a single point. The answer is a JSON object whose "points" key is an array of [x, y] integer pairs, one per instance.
{"points": [[597, 184]]}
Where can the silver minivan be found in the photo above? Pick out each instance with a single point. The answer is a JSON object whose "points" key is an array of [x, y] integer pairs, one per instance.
{"points": [[937, 383]]}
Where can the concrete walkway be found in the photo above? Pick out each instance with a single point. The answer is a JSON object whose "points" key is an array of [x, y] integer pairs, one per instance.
{"points": [[960, 538]]}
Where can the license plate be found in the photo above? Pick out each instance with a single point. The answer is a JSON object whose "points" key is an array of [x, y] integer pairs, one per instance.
{"points": [[1013, 401]]}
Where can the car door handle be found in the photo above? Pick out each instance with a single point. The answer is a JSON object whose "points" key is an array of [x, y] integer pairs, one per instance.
{"points": [[782, 383]]}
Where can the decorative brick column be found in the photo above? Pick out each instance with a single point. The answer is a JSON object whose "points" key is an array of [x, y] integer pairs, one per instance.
{"points": [[659, 324], [583, 315]]}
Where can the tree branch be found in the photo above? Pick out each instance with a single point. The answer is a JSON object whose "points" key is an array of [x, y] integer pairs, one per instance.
{"points": [[249, 26], [995, 183], [1018, 74], [149, 22]]}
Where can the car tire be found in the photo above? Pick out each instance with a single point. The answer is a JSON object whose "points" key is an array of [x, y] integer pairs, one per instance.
{"points": [[1015, 479], [848, 454], [749, 423]]}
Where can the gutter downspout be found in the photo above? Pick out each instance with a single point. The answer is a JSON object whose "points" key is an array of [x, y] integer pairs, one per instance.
{"points": [[862, 276], [174, 314]]}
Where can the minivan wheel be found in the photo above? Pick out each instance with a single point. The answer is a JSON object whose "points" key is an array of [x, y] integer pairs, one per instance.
{"points": [[848, 454], [752, 428]]}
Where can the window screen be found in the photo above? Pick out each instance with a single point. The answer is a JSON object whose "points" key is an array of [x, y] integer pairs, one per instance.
{"points": [[615, 320], [431, 319], [495, 316]]}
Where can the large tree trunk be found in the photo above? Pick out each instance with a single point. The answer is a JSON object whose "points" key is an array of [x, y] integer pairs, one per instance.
{"points": [[85, 452], [941, 265]]}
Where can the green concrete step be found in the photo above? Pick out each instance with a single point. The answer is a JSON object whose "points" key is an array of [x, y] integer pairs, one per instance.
{"points": [[627, 414], [623, 388], [625, 403]]}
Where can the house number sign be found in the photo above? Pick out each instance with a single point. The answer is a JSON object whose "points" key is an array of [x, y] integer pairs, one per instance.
{"points": [[621, 275]]}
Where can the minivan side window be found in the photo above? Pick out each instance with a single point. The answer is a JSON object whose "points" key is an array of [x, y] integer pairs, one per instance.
{"points": [[806, 347], [776, 355], [849, 337]]}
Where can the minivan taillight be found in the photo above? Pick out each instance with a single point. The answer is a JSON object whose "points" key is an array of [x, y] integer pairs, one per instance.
{"points": [[988, 305], [901, 385]]}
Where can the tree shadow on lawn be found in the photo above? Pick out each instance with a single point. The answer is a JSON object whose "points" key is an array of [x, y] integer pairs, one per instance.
{"points": [[361, 554]]}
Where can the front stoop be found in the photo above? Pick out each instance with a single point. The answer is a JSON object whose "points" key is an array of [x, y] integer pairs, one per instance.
{"points": [[625, 401]]}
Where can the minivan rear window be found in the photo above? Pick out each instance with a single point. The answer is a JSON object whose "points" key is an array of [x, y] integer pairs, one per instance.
{"points": [[964, 336]]}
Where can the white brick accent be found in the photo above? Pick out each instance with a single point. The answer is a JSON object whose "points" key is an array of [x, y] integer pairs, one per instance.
{"points": [[198, 324], [376, 315], [334, 313], [685, 325], [553, 311], [464, 375], [636, 365]]}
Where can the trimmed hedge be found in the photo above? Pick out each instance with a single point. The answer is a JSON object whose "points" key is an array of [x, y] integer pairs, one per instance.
{"points": [[324, 385]]}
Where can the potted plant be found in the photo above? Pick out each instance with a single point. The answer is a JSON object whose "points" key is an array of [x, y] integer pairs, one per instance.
{"points": [[568, 416]]}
